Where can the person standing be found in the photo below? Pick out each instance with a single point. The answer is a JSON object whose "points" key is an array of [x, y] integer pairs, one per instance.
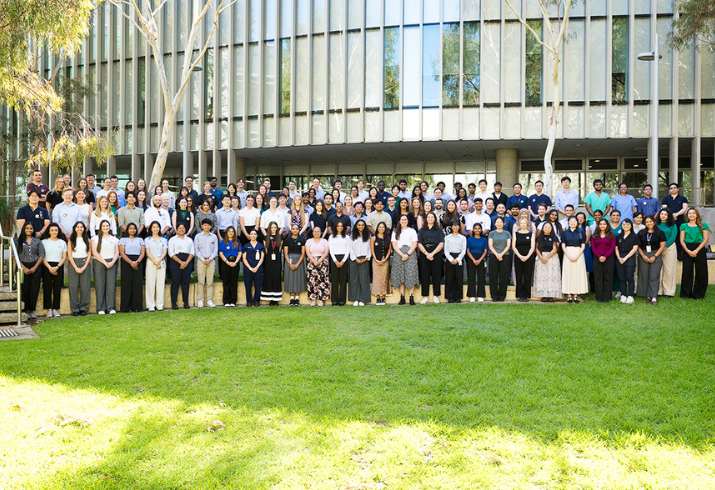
{"points": [[67, 213], [130, 214], [339, 244], [31, 254], [181, 258], [271, 290], [430, 241], [156, 248], [537, 199], [547, 272], [597, 201], [53, 271], [666, 224], [455, 247], [294, 253], [573, 280], [317, 250], [105, 250], [359, 273], [652, 245], [477, 247], [132, 251], [103, 213], [37, 186], [499, 259], [517, 199], [226, 217], [648, 205], [403, 265], [78, 272], [33, 213], [627, 244], [183, 215], [229, 252], [677, 204], [254, 253], [565, 196], [603, 245], [249, 218], [694, 237], [523, 246], [624, 202], [206, 247], [381, 246]]}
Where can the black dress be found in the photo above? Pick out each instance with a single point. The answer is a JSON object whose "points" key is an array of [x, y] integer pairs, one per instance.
{"points": [[272, 268]]}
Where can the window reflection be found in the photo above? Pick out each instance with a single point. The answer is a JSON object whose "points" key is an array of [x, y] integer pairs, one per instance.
{"points": [[392, 68], [534, 65], [450, 65], [430, 66], [285, 76], [619, 60], [471, 80], [411, 68]]}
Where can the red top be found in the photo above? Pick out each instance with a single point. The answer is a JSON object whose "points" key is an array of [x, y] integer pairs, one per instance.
{"points": [[602, 247]]}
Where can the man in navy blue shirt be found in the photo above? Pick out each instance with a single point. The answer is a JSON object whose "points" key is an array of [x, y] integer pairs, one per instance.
{"points": [[678, 205], [34, 213], [648, 205], [518, 198], [538, 198], [381, 194]]}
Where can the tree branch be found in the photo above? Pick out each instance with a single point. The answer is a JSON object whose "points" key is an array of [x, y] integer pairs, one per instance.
{"points": [[528, 27]]}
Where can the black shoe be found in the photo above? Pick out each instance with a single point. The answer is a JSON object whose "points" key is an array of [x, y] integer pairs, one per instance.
{"points": [[402, 300], [76, 313], [187, 307], [82, 313], [174, 307], [256, 303], [412, 300]]}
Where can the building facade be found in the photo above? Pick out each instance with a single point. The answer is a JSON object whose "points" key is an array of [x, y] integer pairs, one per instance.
{"points": [[452, 90]]}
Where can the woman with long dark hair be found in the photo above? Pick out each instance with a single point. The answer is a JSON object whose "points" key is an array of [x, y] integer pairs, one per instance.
{"points": [[524, 246], [294, 270], [603, 246], [105, 250], [229, 253], [183, 215], [547, 272], [694, 235], [455, 247], [181, 259], [477, 247], [132, 251], [626, 250], [666, 224], [156, 248], [652, 245], [339, 244], [248, 219], [430, 241], [499, 260], [254, 254], [380, 247], [271, 290], [78, 272], [31, 254], [317, 250], [53, 271], [573, 280], [403, 265], [359, 274]]}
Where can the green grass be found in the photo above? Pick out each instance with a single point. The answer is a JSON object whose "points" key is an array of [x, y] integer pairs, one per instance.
{"points": [[452, 397]]}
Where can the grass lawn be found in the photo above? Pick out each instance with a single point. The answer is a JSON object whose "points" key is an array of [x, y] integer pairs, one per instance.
{"points": [[450, 397]]}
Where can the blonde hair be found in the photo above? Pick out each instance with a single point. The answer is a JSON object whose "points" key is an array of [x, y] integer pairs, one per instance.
{"points": [[98, 210]]}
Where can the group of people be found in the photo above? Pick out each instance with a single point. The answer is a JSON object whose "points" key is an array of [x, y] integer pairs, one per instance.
{"points": [[350, 246]]}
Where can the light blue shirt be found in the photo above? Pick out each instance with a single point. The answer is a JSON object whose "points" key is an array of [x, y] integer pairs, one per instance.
{"points": [[625, 205], [66, 216], [562, 198], [226, 218]]}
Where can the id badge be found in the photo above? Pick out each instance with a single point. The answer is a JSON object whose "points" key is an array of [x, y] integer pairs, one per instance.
{"points": [[648, 249], [258, 255], [273, 256]]}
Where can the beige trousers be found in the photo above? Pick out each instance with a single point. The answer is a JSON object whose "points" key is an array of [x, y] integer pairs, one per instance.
{"points": [[668, 274]]}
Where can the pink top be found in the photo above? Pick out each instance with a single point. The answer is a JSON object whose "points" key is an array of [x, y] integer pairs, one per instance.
{"points": [[602, 247], [316, 250]]}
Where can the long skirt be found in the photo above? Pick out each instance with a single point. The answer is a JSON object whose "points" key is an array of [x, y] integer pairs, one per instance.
{"points": [[381, 278], [404, 271], [294, 280], [668, 272], [547, 278], [359, 282], [574, 279], [271, 289], [318, 281]]}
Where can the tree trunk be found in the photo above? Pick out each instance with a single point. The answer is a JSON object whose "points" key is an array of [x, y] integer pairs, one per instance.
{"points": [[553, 124], [166, 134]]}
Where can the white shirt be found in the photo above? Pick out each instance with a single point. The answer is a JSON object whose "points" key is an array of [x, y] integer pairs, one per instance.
{"points": [[153, 214], [84, 211], [109, 246], [79, 250], [407, 236], [249, 216], [268, 216], [483, 195], [363, 195], [360, 248], [483, 219], [339, 246], [54, 249], [155, 247], [181, 245], [95, 221]]}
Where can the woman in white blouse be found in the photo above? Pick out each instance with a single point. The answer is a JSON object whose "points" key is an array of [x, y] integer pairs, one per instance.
{"points": [[249, 218], [105, 250], [339, 245], [102, 213], [80, 198], [403, 263], [359, 287], [181, 257]]}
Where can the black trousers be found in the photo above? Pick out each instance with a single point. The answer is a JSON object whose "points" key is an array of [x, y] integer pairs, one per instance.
{"points": [[626, 276], [524, 276], [229, 275], [475, 279], [499, 271], [30, 288], [131, 296], [696, 288], [603, 278], [431, 272], [52, 286], [180, 278], [453, 280], [339, 281]]}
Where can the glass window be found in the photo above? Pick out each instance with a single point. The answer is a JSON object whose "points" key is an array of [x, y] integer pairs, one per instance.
{"points": [[209, 84], [239, 11], [491, 62], [319, 15], [270, 19], [356, 64], [619, 60], [534, 65], [373, 68], [450, 11], [286, 18], [411, 14], [411, 60], [431, 65], [107, 12], [372, 13], [355, 13], [574, 62], [302, 68], [129, 90], [337, 71], [597, 43], [223, 83], [513, 43], [302, 13], [269, 78], [140, 91], [686, 72], [223, 24], [392, 12], [253, 71], [319, 71], [392, 68], [254, 15], [431, 11], [239, 80], [337, 15], [285, 76], [470, 70], [450, 65], [471, 10]]}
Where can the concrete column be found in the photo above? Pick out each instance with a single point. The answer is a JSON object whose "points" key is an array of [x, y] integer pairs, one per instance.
{"points": [[673, 162], [111, 166], [240, 169], [231, 176], [148, 167], [188, 165], [217, 171], [507, 167], [136, 171], [87, 166], [203, 163], [695, 172]]}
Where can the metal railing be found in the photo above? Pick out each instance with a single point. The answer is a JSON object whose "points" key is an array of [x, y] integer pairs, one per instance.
{"points": [[12, 265]]}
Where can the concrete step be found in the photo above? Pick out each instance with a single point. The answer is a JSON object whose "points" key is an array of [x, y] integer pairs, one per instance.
{"points": [[6, 294], [11, 318], [8, 306]]}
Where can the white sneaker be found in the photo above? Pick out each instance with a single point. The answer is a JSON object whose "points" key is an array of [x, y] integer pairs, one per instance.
{"points": [[100, 313], [49, 314], [357, 303], [361, 303], [200, 304], [424, 300], [618, 294], [472, 300], [210, 304], [629, 300], [312, 303], [623, 299], [55, 313], [31, 316], [481, 300], [112, 312], [151, 309], [160, 309], [435, 299]]}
